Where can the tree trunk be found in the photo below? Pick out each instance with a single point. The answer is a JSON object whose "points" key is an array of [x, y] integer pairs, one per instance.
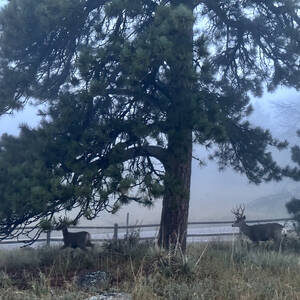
{"points": [[175, 208]]}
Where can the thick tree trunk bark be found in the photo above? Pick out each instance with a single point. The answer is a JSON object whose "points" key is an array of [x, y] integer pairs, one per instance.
{"points": [[174, 218]]}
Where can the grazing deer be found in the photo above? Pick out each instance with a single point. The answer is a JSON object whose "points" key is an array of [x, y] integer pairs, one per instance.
{"points": [[258, 232], [80, 239]]}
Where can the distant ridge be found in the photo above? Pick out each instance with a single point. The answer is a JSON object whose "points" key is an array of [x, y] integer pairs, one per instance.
{"points": [[271, 206], [266, 207]]}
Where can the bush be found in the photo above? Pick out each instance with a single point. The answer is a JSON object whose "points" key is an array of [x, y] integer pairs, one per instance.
{"points": [[130, 246]]}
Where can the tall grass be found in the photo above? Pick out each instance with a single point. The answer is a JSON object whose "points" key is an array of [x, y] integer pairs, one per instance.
{"points": [[208, 271]]}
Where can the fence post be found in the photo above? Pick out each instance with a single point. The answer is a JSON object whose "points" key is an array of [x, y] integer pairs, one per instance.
{"points": [[116, 231], [127, 224], [48, 237]]}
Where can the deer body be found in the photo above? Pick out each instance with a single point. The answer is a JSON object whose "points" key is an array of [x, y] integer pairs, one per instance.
{"points": [[80, 239], [258, 232], [261, 232]]}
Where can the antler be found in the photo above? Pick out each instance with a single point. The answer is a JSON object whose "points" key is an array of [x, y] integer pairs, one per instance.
{"points": [[239, 211]]}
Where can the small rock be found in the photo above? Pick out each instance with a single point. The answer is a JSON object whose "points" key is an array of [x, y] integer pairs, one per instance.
{"points": [[111, 296], [93, 280]]}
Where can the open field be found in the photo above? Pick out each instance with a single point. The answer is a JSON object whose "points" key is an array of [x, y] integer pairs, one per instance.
{"points": [[215, 270]]}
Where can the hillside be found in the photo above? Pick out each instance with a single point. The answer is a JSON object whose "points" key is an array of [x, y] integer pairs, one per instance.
{"points": [[271, 206]]}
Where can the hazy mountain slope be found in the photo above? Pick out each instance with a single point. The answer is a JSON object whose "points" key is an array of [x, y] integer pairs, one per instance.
{"points": [[271, 206]]}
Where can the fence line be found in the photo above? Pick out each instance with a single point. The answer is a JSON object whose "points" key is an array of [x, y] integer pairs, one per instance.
{"points": [[116, 228]]}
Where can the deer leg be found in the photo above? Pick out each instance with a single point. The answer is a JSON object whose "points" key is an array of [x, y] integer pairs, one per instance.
{"points": [[248, 245], [256, 244], [245, 244], [283, 241], [89, 244], [278, 243], [83, 248]]}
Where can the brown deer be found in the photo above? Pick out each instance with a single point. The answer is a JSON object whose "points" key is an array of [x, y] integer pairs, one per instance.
{"points": [[81, 239], [258, 232]]}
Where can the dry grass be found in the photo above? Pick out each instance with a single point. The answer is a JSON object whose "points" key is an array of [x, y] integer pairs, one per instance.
{"points": [[208, 271]]}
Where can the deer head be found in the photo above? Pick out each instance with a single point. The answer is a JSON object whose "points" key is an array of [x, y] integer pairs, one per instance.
{"points": [[240, 218]]}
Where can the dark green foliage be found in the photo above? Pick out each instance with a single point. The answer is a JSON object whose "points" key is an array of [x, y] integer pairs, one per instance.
{"points": [[294, 172], [293, 208], [29, 187], [129, 87]]}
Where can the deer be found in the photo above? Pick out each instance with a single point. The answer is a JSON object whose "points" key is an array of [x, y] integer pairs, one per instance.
{"points": [[258, 232], [81, 239]]}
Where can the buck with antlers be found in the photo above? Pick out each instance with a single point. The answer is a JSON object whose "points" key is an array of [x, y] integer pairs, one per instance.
{"points": [[258, 232]]}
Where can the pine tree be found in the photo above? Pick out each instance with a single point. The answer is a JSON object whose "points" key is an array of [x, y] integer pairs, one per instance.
{"points": [[293, 206], [131, 85], [29, 189]]}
